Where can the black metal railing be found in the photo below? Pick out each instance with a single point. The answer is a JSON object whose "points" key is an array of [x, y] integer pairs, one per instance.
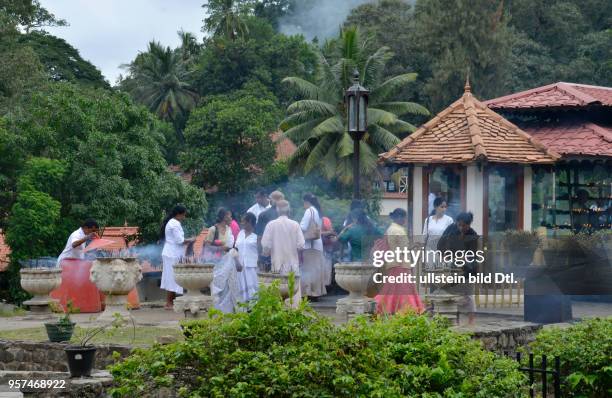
{"points": [[543, 372]]}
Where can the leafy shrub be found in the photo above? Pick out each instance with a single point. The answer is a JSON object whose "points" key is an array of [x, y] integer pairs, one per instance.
{"points": [[585, 350], [282, 352], [521, 239]]}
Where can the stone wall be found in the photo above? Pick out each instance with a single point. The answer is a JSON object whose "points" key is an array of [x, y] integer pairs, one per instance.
{"points": [[505, 336], [46, 356]]}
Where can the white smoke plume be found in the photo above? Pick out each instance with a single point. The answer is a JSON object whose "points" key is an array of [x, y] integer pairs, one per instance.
{"points": [[318, 18]]}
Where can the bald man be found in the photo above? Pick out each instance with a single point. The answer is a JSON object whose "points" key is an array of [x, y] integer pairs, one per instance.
{"points": [[262, 221]]}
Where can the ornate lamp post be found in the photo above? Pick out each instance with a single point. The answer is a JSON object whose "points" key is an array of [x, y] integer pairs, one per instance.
{"points": [[356, 101]]}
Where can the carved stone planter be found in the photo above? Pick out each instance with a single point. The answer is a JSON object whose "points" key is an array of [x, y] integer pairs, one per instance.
{"points": [[267, 278], [115, 277], [354, 277], [193, 278], [39, 282]]}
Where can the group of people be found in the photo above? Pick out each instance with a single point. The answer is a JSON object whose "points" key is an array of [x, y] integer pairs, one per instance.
{"points": [[266, 239]]}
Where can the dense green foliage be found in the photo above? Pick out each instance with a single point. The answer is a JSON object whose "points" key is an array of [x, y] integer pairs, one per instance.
{"points": [[264, 56], [508, 46], [585, 350], [158, 79], [62, 62], [282, 352], [115, 171], [29, 14], [228, 139]]}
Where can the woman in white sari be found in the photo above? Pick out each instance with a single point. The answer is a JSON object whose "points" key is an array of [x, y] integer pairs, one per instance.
{"points": [[225, 288], [246, 244]]}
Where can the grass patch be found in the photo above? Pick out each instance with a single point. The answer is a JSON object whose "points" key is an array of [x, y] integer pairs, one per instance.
{"points": [[145, 335], [17, 311]]}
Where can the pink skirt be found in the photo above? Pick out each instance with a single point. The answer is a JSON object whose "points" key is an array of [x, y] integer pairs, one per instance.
{"points": [[398, 297]]}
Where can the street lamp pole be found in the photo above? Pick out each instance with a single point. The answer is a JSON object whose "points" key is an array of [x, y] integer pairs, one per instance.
{"points": [[356, 101]]}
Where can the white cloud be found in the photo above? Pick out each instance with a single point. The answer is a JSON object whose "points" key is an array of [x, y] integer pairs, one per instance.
{"points": [[109, 33]]}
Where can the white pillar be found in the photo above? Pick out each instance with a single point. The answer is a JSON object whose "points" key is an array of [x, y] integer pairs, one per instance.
{"points": [[474, 196], [417, 200], [527, 183]]}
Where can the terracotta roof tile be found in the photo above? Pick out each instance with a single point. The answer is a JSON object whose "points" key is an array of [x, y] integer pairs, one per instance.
{"points": [[583, 139], [199, 242], [470, 131], [554, 95], [116, 235], [284, 146], [5, 252]]}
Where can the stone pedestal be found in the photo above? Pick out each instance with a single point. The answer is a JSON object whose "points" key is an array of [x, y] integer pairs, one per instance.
{"points": [[445, 305], [39, 282], [193, 278], [355, 277], [115, 277]]}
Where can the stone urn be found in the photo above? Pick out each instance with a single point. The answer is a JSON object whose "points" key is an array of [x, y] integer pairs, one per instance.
{"points": [[445, 305], [267, 278], [443, 297], [355, 277], [115, 277], [39, 282], [193, 278]]}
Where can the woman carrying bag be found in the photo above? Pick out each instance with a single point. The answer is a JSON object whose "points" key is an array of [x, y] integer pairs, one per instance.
{"points": [[312, 275]]}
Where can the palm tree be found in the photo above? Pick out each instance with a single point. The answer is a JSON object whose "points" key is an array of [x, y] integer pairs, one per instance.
{"points": [[317, 122], [157, 79], [225, 19]]}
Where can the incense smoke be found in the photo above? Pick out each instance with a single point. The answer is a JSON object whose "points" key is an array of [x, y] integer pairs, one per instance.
{"points": [[318, 18]]}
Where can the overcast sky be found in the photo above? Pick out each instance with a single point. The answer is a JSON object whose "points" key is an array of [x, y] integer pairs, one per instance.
{"points": [[109, 33]]}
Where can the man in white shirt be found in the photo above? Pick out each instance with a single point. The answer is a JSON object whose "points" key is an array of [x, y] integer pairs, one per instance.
{"points": [[283, 240], [76, 241], [261, 203]]}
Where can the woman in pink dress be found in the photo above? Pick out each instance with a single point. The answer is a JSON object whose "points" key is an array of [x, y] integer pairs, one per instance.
{"points": [[398, 297]]}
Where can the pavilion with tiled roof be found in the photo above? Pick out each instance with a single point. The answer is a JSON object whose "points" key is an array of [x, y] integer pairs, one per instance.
{"points": [[475, 158], [574, 120]]}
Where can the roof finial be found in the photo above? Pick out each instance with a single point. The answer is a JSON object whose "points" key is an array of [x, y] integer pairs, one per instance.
{"points": [[467, 88]]}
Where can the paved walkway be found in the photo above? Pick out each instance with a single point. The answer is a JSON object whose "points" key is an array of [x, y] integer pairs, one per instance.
{"points": [[151, 314]]}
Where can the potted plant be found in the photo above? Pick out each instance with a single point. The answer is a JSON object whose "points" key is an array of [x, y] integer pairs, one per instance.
{"points": [[81, 357], [596, 246], [62, 329], [522, 245]]}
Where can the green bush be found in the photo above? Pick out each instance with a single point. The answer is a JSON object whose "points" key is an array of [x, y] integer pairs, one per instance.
{"points": [[585, 351], [276, 351]]}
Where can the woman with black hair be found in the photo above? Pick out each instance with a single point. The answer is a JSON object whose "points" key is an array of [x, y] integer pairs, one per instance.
{"points": [[246, 244], [312, 278], [434, 227], [171, 232], [460, 237], [219, 238], [358, 233]]}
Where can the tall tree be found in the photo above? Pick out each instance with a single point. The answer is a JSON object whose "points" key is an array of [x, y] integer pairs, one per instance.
{"points": [[462, 35], [265, 56], [111, 148], [228, 139], [157, 78], [317, 122], [225, 19], [62, 61], [30, 15]]}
